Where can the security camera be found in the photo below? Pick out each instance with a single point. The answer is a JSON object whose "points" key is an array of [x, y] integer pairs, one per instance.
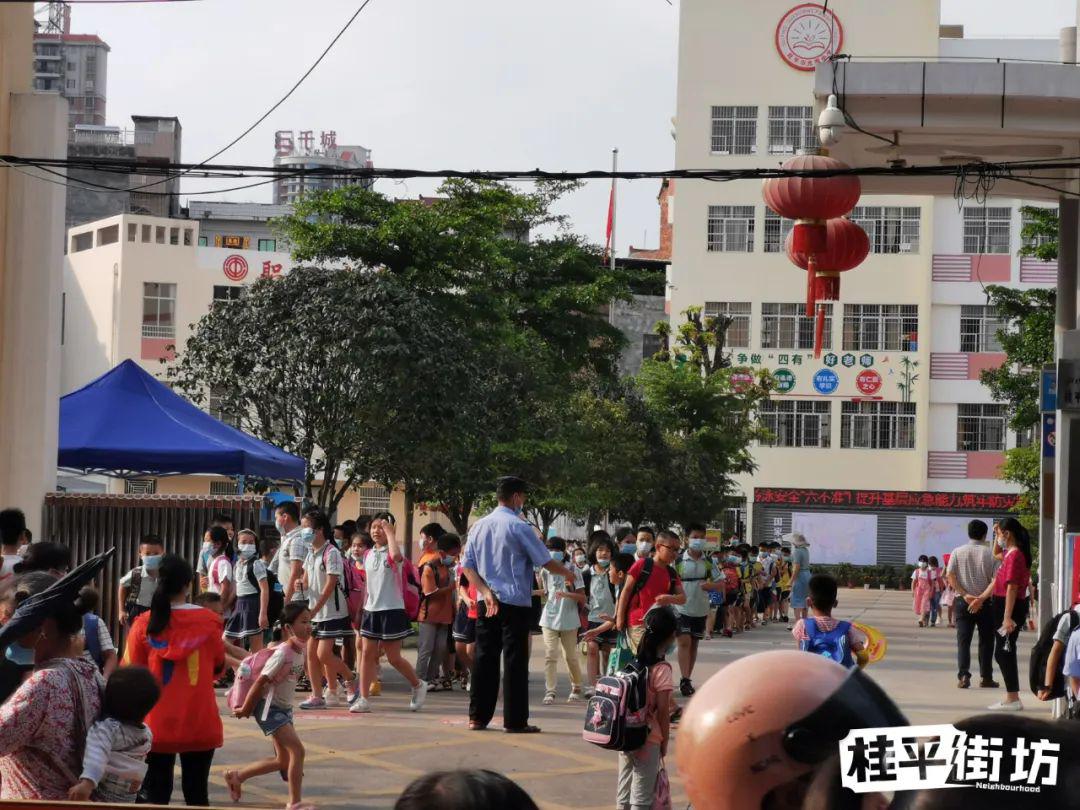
{"points": [[831, 122]]}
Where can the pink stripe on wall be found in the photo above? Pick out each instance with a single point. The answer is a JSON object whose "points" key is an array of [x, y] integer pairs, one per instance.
{"points": [[978, 363], [991, 267], [984, 465], [158, 349]]}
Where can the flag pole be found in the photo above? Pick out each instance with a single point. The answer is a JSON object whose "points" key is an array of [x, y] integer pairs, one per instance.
{"points": [[614, 168]]}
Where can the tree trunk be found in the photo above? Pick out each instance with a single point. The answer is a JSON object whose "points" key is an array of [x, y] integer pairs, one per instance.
{"points": [[410, 507]]}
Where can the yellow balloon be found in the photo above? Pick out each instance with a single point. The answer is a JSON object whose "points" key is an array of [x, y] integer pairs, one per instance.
{"points": [[876, 643]]}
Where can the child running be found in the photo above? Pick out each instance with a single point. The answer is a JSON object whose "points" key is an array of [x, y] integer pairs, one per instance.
{"points": [[270, 700], [821, 634], [114, 762], [639, 769], [385, 622]]}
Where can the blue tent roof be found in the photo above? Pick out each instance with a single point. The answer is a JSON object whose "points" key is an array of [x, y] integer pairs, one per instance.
{"points": [[126, 422]]}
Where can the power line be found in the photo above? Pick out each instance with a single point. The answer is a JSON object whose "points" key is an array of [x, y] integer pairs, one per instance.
{"points": [[279, 102]]}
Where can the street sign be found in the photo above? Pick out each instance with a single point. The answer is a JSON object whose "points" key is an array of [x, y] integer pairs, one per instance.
{"points": [[1048, 389], [1049, 435]]}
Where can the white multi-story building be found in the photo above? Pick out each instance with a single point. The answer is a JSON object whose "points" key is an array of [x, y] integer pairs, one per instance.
{"points": [[302, 152], [891, 426]]}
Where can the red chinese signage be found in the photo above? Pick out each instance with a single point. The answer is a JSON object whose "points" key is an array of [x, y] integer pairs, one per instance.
{"points": [[868, 382], [270, 270], [887, 500]]}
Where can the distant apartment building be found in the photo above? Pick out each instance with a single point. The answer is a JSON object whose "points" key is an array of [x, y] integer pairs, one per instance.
{"points": [[238, 225], [300, 151], [151, 138], [76, 67]]}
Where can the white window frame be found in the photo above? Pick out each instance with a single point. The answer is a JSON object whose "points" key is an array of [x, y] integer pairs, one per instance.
{"points": [[738, 332], [987, 229], [222, 488], [730, 229], [891, 228], [981, 427], [734, 130], [140, 486], [791, 129], [797, 423], [979, 327], [1025, 220], [776, 231], [880, 327], [373, 498], [785, 326], [155, 329], [877, 425]]}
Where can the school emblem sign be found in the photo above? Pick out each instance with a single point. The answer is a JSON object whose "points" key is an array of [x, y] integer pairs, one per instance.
{"points": [[808, 35]]}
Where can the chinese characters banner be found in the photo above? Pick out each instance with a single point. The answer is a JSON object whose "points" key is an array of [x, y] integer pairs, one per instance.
{"points": [[898, 500]]}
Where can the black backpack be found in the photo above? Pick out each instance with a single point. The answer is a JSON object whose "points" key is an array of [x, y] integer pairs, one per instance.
{"points": [[132, 601], [1041, 652], [646, 572], [276, 603]]}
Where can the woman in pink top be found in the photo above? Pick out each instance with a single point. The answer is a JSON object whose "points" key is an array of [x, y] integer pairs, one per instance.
{"points": [[1010, 606]]}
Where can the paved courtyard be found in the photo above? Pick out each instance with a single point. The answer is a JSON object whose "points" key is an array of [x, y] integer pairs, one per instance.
{"points": [[364, 761]]}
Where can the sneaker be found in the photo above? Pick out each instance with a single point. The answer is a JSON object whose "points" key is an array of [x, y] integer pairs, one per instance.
{"points": [[419, 695], [313, 703], [303, 684], [686, 687], [575, 695], [549, 698], [360, 706], [1002, 706], [376, 689], [353, 697], [728, 634], [589, 692], [332, 700]]}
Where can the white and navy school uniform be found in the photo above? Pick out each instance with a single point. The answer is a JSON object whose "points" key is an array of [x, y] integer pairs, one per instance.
{"points": [[332, 620], [384, 609], [244, 622]]}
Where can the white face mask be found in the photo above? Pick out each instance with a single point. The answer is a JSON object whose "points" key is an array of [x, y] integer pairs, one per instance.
{"points": [[247, 552], [644, 546]]}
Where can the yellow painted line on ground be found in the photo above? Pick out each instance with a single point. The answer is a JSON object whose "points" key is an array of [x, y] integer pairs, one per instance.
{"points": [[517, 741]]}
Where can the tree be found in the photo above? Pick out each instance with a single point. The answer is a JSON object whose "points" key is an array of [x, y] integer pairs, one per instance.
{"points": [[304, 361]]}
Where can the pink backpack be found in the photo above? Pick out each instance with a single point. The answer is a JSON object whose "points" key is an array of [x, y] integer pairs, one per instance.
{"points": [[354, 577], [409, 584], [250, 670]]}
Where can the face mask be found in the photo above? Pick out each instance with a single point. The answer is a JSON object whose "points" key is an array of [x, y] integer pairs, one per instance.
{"points": [[628, 548], [448, 561], [557, 556], [603, 563], [697, 545], [922, 564], [579, 559], [356, 555], [207, 546], [307, 535], [279, 525], [152, 561], [733, 559], [644, 546], [20, 655], [247, 552]]}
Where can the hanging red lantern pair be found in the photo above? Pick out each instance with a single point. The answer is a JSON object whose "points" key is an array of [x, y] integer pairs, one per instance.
{"points": [[822, 242]]}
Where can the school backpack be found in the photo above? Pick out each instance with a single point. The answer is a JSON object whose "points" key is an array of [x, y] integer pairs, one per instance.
{"points": [[343, 585], [91, 639], [354, 579], [731, 576], [250, 670], [276, 603], [831, 644], [410, 589], [132, 601], [1041, 652], [646, 572], [616, 716]]}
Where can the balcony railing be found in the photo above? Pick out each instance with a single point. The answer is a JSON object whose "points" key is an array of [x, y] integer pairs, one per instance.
{"points": [[111, 137], [153, 330]]}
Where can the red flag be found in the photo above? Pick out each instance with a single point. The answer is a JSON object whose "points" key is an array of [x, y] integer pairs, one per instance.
{"points": [[610, 220]]}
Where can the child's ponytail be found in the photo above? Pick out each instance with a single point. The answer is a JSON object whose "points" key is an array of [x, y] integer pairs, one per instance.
{"points": [[174, 577]]}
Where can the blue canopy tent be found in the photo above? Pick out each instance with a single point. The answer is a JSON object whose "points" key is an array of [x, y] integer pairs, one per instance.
{"points": [[126, 423]]}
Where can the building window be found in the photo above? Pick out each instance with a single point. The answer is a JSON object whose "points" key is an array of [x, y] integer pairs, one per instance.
{"points": [[881, 327], [133, 232], [980, 428], [71, 66], [650, 345], [224, 292], [159, 234], [979, 327], [777, 229], [268, 244], [82, 241], [204, 241], [796, 423], [174, 236], [731, 229], [159, 310], [222, 488], [891, 228], [986, 230], [374, 498], [140, 486], [791, 129], [215, 407], [70, 84], [785, 326], [91, 67], [108, 235], [1032, 242], [146, 230], [877, 425], [734, 130], [188, 233], [89, 103], [738, 331]]}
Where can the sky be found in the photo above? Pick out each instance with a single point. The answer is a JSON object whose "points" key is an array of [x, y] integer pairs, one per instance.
{"points": [[464, 84]]}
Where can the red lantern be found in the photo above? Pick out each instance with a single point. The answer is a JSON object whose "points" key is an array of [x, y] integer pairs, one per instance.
{"points": [[847, 246], [811, 201]]}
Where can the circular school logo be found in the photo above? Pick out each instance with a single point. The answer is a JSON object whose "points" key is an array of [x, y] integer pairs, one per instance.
{"points": [[807, 36], [784, 380], [868, 382], [235, 268], [741, 380], [826, 381]]}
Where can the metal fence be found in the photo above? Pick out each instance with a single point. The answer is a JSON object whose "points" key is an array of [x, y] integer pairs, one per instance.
{"points": [[90, 523]]}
